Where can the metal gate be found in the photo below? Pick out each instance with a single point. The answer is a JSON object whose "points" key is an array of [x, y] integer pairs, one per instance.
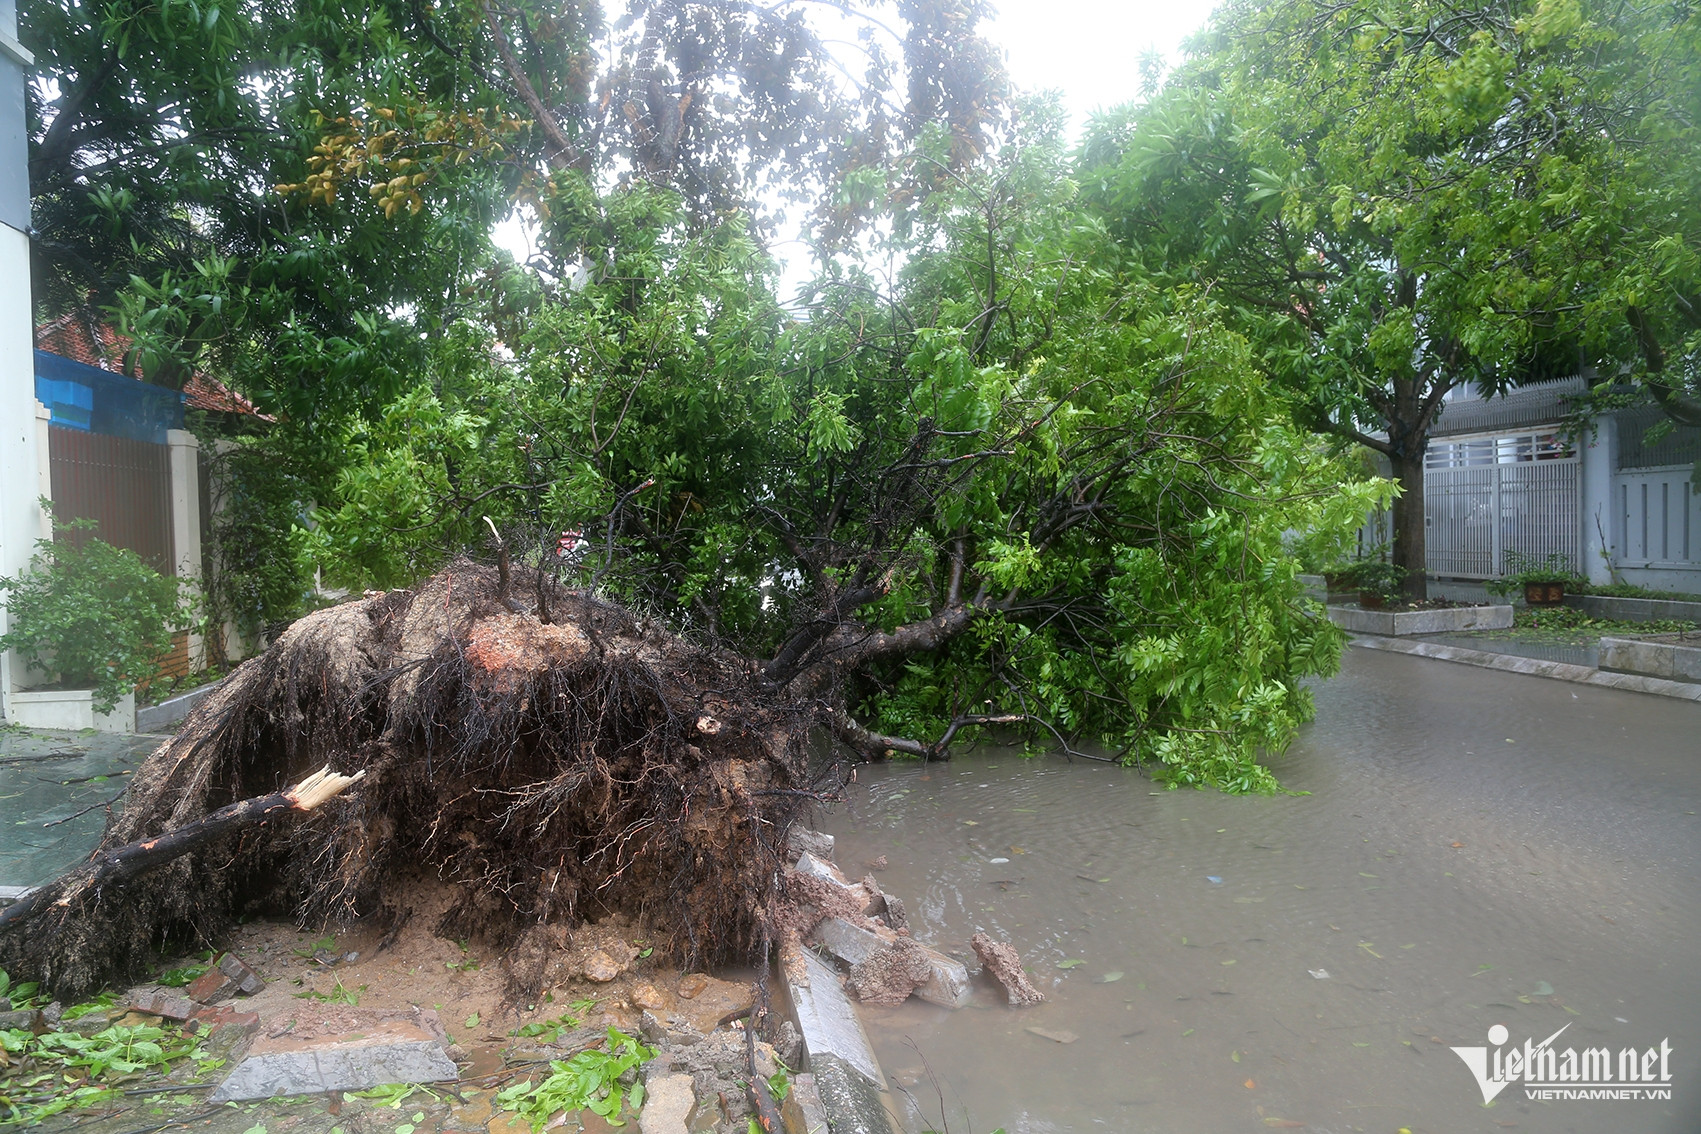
{"points": [[121, 484], [1486, 496]]}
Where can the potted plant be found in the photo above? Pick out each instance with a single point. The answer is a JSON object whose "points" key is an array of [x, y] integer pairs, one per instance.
{"points": [[1542, 582], [1379, 583]]}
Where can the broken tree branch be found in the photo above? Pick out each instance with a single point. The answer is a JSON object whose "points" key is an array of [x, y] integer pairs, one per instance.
{"points": [[125, 862]]}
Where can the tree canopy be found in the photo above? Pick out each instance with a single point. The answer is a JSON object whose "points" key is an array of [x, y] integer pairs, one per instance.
{"points": [[161, 133], [1064, 488], [1397, 199], [991, 475]]}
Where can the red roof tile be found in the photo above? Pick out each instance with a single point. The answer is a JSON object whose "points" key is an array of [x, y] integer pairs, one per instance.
{"points": [[101, 346]]}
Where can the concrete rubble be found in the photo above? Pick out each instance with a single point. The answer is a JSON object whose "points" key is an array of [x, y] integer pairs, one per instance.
{"points": [[887, 964], [1003, 963]]}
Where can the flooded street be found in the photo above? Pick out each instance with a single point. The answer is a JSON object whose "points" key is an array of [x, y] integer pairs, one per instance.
{"points": [[1477, 848]]}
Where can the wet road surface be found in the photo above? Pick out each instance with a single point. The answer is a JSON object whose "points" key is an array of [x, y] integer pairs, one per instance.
{"points": [[1476, 848]]}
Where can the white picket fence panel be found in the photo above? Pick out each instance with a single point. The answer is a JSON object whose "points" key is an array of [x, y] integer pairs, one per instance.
{"points": [[1656, 518]]}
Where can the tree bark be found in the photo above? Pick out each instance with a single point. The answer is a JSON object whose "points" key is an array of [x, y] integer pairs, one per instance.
{"points": [[1409, 548]]}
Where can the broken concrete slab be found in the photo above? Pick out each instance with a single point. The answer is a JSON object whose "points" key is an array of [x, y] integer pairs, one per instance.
{"points": [[802, 1111], [227, 1031], [891, 974], [825, 1016], [801, 840], [324, 1047], [852, 944], [945, 983], [669, 1102], [813, 867]]}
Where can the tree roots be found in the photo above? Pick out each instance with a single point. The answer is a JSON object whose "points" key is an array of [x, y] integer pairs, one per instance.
{"points": [[550, 772]]}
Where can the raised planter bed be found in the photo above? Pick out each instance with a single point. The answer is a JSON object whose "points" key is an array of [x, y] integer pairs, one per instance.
{"points": [[1676, 659], [152, 718], [70, 710], [1634, 609], [1398, 623]]}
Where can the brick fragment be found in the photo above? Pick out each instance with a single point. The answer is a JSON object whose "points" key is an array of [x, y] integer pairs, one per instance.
{"points": [[211, 987], [163, 1004]]}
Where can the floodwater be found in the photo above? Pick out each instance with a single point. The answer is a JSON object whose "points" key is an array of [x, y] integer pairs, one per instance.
{"points": [[1477, 848]]}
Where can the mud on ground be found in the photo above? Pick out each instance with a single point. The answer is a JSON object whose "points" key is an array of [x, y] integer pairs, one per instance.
{"points": [[601, 979]]}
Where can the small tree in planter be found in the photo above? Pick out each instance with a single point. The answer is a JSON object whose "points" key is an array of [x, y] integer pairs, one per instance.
{"points": [[1543, 582], [93, 617]]}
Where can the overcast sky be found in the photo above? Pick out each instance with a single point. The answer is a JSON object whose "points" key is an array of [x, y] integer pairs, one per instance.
{"points": [[1090, 49]]}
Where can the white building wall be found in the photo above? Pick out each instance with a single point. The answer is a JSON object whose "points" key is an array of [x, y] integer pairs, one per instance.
{"points": [[20, 516], [20, 478], [1600, 458]]}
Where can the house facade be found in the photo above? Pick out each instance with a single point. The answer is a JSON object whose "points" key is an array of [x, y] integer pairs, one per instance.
{"points": [[1619, 501]]}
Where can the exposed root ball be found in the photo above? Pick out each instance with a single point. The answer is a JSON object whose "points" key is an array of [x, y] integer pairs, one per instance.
{"points": [[551, 772]]}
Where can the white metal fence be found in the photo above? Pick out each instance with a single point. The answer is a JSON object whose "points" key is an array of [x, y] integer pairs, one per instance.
{"points": [[1656, 518], [1484, 497]]}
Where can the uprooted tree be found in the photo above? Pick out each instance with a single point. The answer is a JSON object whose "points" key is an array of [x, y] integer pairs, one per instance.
{"points": [[1016, 489]]}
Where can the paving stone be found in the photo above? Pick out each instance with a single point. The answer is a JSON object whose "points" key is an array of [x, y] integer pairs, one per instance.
{"points": [[248, 982], [334, 1048], [667, 1105], [88, 1024]]}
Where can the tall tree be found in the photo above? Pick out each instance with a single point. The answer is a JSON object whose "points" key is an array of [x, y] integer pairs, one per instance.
{"points": [[1398, 199], [1017, 486]]}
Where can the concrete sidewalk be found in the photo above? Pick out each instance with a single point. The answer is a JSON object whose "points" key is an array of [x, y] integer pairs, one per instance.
{"points": [[1511, 662], [46, 779]]}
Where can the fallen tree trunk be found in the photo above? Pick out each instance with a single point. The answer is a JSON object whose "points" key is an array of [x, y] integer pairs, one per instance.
{"points": [[123, 863], [533, 772]]}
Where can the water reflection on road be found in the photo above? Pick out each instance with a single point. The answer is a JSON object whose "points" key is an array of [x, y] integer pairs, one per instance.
{"points": [[1476, 848]]}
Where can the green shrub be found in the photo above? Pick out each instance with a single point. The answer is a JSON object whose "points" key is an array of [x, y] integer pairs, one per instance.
{"points": [[1376, 576], [93, 617]]}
